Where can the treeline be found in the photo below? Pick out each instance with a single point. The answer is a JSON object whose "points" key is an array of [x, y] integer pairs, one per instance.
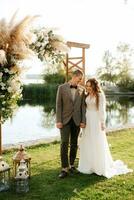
{"points": [[39, 92], [118, 69], [46, 92]]}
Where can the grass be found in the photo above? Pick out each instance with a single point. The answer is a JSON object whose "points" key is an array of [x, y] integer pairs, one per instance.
{"points": [[45, 184]]}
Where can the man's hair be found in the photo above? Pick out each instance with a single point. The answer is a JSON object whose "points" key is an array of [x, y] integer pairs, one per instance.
{"points": [[77, 73]]}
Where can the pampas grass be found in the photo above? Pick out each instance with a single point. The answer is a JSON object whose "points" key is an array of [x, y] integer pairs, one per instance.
{"points": [[16, 37]]}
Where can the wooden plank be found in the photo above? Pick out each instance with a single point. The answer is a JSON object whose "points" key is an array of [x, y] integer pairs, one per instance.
{"points": [[83, 60], [78, 45], [74, 64], [66, 67], [72, 58]]}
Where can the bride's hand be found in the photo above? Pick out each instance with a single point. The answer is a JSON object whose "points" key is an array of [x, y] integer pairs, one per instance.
{"points": [[103, 127], [82, 125]]}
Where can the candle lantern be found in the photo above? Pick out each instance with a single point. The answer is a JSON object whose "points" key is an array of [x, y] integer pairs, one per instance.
{"points": [[4, 175], [21, 154], [22, 180]]}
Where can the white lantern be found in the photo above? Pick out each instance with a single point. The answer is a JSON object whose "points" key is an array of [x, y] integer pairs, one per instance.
{"points": [[4, 175], [21, 154], [22, 178]]}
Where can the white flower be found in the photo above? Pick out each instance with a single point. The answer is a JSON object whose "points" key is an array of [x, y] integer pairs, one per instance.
{"points": [[1, 96], [2, 84], [3, 59], [33, 38], [6, 70], [14, 86], [38, 44], [9, 89]]}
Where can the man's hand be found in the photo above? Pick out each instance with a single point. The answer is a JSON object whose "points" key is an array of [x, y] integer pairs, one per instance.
{"points": [[82, 125], [59, 125]]}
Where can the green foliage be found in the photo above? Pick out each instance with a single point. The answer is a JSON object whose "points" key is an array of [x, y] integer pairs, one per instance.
{"points": [[49, 46], [35, 93], [56, 78], [16, 45], [107, 72], [118, 70]]}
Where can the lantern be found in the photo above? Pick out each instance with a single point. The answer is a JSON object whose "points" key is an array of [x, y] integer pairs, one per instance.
{"points": [[21, 154], [4, 175], [22, 177]]}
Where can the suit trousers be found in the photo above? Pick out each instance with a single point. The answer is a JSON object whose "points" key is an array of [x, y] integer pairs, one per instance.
{"points": [[69, 137]]}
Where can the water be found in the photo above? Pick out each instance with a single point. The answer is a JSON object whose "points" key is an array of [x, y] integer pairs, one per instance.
{"points": [[33, 122]]}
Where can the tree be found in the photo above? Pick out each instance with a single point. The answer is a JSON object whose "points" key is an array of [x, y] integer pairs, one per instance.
{"points": [[107, 72], [124, 65], [118, 69], [54, 74]]}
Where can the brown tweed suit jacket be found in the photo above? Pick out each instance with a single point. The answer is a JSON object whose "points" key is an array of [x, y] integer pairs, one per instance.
{"points": [[66, 108]]}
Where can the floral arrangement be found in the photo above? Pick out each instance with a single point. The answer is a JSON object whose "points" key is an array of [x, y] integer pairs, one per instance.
{"points": [[18, 42], [49, 46], [15, 39]]}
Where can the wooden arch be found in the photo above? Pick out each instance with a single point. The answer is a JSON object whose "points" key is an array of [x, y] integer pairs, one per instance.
{"points": [[69, 63], [75, 62]]}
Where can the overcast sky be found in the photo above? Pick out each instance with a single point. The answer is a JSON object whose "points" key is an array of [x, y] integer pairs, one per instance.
{"points": [[100, 23]]}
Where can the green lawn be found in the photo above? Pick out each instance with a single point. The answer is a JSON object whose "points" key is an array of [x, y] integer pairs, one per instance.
{"points": [[45, 184]]}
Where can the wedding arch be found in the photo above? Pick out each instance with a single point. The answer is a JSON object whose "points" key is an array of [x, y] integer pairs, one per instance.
{"points": [[77, 62], [19, 42]]}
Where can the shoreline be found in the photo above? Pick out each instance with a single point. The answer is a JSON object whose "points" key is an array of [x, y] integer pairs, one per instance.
{"points": [[31, 143]]}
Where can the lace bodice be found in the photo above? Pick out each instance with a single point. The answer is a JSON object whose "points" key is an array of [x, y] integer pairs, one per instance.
{"points": [[91, 105]]}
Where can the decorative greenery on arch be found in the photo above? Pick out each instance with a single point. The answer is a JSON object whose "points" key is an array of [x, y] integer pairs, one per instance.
{"points": [[17, 43]]}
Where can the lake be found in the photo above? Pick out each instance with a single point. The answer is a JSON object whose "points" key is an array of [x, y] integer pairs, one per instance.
{"points": [[34, 121]]}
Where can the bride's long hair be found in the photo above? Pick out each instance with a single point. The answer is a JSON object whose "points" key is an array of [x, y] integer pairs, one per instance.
{"points": [[96, 89]]}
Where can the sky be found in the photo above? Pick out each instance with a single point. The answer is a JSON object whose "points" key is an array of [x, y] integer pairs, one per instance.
{"points": [[101, 23]]}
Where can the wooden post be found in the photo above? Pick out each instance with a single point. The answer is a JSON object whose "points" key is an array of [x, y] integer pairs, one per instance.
{"points": [[0, 137], [83, 63], [66, 67], [77, 61]]}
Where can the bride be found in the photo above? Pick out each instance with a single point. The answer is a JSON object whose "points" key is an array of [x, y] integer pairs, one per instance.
{"points": [[95, 156]]}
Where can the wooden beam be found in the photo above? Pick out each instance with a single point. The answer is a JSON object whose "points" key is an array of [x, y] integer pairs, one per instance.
{"points": [[66, 67], [72, 58], [75, 64], [83, 60], [78, 45]]}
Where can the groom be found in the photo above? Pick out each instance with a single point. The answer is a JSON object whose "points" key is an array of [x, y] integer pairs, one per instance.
{"points": [[70, 117]]}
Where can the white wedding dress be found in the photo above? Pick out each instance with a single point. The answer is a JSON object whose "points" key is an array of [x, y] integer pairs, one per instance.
{"points": [[95, 156]]}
